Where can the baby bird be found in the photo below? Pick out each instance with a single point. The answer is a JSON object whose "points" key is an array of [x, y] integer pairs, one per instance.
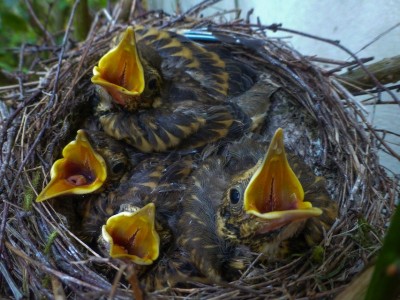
{"points": [[244, 197], [158, 90], [132, 235], [83, 169], [131, 208], [193, 211]]}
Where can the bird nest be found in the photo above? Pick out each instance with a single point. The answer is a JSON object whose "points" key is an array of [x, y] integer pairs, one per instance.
{"points": [[41, 257]]}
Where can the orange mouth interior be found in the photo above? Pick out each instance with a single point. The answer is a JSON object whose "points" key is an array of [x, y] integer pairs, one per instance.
{"points": [[132, 235], [120, 70], [274, 192], [81, 170]]}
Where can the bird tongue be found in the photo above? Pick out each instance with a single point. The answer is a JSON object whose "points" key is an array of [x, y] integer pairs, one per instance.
{"points": [[81, 171], [120, 70], [274, 193]]}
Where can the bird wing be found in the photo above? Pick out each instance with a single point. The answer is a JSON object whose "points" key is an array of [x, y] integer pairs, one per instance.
{"points": [[157, 179], [180, 53], [186, 126]]}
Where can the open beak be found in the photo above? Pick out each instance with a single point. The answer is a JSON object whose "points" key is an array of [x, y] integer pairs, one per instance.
{"points": [[132, 235], [274, 193], [120, 70], [80, 171]]}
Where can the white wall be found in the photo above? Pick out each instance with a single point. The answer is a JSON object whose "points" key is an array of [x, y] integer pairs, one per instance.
{"points": [[355, 23]]}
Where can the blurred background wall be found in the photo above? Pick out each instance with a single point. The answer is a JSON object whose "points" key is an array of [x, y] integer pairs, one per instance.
{"points": [[367, 28]]}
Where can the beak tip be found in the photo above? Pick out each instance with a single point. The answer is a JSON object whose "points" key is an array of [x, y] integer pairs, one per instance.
{"points": [[40, 198]]}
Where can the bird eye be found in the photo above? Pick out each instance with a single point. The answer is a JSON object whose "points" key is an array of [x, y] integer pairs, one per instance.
{"points": [[152, 84], [118, 168], [234, 196]]}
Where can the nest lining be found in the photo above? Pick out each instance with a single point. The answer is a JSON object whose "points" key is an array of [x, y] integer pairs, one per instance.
{"points": [[42, 257]]}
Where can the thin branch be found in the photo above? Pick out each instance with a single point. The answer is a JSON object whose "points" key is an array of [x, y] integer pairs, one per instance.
{"points": [[336, 43], [5, 212], [374, 102], [346, 64], [385, 131], [28, 155], [38, 23], [11, 283], [373, 91], [193, 10], [369, 127], [340, 63], [49, 270], [10, 144], [14, 115], [61, 54], [378, 37]]}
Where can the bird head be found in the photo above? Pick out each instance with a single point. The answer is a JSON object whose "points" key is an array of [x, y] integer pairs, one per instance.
{"points": [[265, 204], [88, 161], [113, 152], [132, 235], [126, 77]]}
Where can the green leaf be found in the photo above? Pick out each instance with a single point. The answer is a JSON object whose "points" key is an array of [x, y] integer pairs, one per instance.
{"points": [[385, 282], [11, 21]]}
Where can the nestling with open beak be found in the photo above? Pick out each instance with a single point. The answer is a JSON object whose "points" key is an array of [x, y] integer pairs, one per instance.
{"points": [[132, 209], [132, 235], [244, 197], [83, 169], [158, 90]]}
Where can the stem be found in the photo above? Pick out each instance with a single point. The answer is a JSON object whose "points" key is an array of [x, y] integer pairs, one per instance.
{"points": [[82, 21]]}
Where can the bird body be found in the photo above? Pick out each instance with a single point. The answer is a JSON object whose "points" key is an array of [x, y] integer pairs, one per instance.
{"points": [[158, 90], [199, 216], [158, 180], [222, 207]]}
